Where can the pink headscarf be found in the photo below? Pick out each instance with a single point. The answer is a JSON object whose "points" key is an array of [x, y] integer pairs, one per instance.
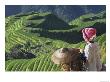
{"points": [[88, 33]]}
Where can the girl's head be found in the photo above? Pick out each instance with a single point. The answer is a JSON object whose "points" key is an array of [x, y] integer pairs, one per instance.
{"points": [[89, 34]]}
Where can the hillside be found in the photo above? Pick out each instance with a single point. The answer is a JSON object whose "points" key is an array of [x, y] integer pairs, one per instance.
{"points": [[65, 12], [31, 38]]}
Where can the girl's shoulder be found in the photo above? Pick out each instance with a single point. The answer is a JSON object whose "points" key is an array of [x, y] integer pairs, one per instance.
{"points": [[95, 44]]}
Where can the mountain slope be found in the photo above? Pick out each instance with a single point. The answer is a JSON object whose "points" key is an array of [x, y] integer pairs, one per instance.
{"points": [[30, 40], [65, 12]]}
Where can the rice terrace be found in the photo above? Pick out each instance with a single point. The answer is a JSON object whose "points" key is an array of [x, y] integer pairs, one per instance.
{"points": [[32, 37]]}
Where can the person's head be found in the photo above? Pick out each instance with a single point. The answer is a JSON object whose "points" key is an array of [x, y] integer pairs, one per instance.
{"points": [[89, 34]]}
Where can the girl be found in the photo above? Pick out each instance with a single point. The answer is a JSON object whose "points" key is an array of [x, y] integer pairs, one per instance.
{"points": [[92, 51]]}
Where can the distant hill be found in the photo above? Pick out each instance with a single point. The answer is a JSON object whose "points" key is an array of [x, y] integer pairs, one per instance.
{"points": [[94, 20], [31, 38], [46, 21], [65, 12]]}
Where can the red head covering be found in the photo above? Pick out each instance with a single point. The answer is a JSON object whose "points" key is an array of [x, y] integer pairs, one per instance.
{"points": [[88, 33]]}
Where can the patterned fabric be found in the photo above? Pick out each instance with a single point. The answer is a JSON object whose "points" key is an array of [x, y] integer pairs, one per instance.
{"points": [[93, 54], [88, 33]]}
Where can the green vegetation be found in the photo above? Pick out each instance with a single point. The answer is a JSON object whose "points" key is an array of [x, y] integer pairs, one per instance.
{"points": [[31, 39]]}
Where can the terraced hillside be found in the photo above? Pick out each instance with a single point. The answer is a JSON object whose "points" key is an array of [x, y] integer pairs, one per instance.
{"points": [[31, 38]]}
